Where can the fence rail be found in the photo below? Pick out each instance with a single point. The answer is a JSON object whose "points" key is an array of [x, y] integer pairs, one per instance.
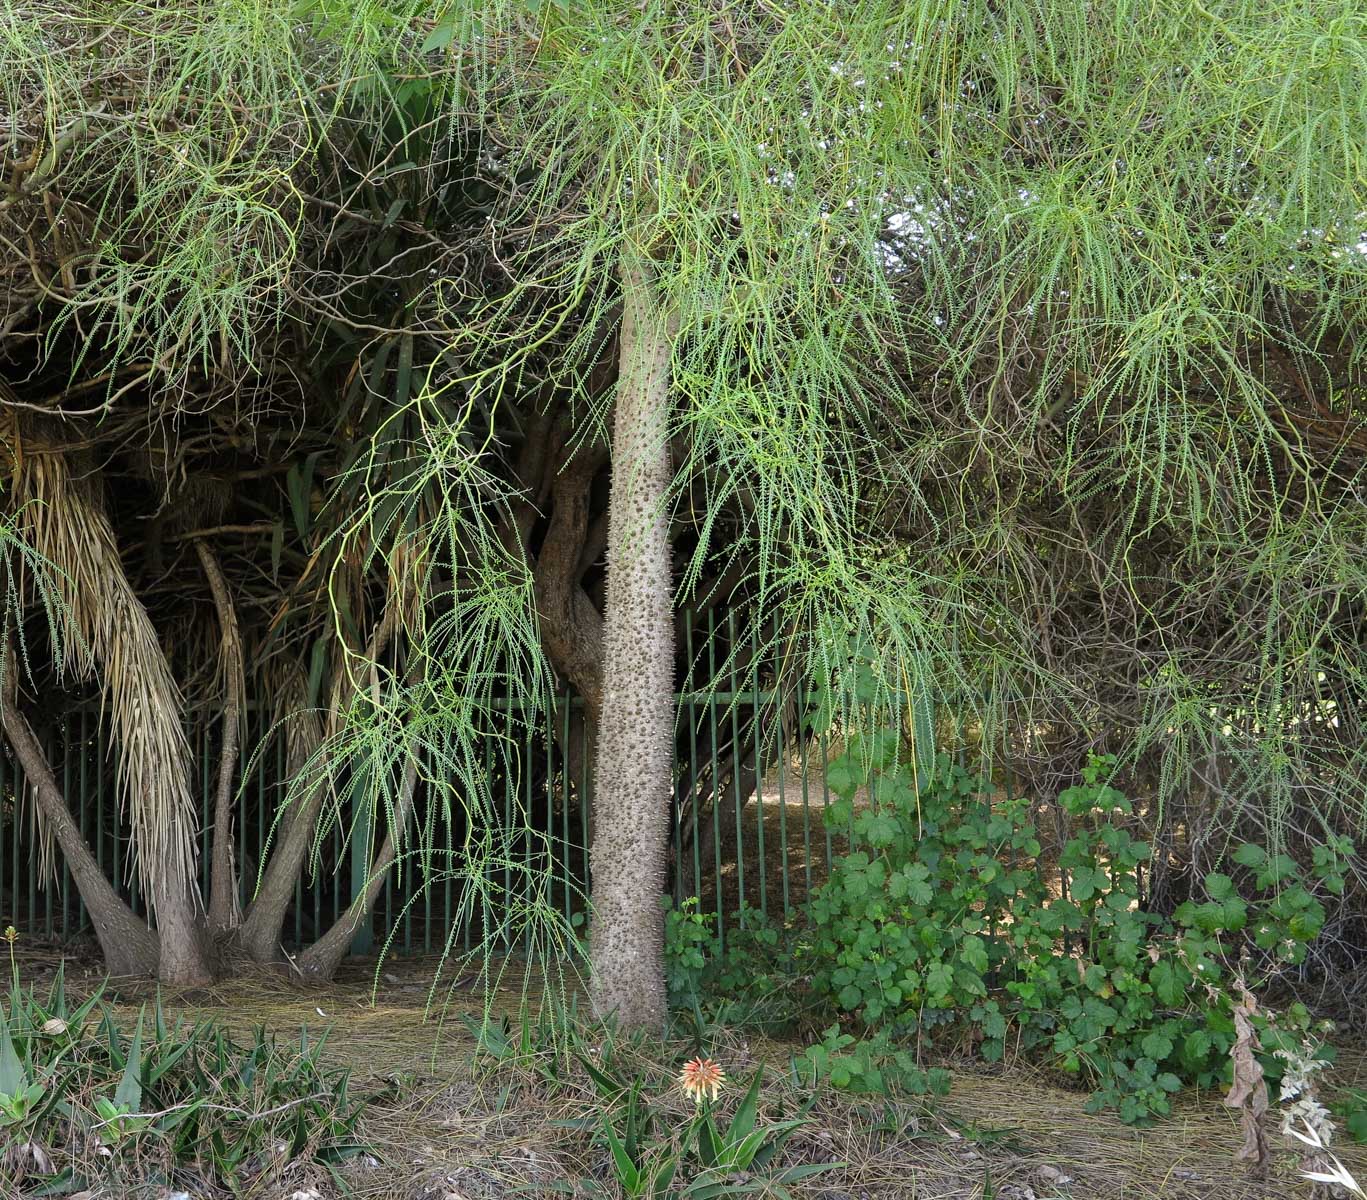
{"points": [[735, 841]]}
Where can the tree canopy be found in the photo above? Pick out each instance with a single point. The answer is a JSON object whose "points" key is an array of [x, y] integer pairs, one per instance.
{"points": [[1018, 353]]}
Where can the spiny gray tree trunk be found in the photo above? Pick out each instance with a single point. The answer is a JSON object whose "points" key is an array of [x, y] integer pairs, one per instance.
{"points": [[635, 737]]}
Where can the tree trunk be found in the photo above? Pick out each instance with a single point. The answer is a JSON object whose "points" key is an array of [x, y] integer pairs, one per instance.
{"points": [[635, 736], [260, 933], [225, 913], [321, 960], [129, 946]]}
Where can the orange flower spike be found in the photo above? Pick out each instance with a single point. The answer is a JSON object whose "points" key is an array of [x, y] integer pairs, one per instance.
{"points": [[702, 1077]]}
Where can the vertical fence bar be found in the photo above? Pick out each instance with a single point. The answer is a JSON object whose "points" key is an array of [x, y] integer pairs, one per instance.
{"points": [[114, 816], [781, 755], [407, 871], [33, 858], [484, 870], [693, 759], [585, 807], [66, 794], [802, 740], [448, 934], [85, 793], [756, 733], [204, 817], [526, 767], [432, 860], [242, 827], [824, 745], [14, 843], [7, 826], [249, 866], [362, 823], [716, 785], [33, 872], [734, 706], [565, 784]]}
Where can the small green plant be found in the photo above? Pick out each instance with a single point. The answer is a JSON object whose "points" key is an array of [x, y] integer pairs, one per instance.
{"points": [[745, 1146], [872, 1064], [650, 1155], [187, 1105], [747, 981], [1351, 1109]]}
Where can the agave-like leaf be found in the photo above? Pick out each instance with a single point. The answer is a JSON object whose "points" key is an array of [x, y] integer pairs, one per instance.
{"points": [[13, 1078], [129, 1092]]}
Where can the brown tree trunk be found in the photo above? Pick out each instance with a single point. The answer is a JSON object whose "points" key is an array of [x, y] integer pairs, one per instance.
{"points": [[225, 913], [635, 737], [129, 946], [571, 629], [321, 960], [260, 932]]}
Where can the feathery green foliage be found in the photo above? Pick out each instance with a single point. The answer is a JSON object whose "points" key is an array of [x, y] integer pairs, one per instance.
{"points": [[1019, 353]]}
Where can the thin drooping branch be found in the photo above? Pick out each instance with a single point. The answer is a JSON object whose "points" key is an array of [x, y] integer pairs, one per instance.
{"points": [[225, 913], [129, 947]]}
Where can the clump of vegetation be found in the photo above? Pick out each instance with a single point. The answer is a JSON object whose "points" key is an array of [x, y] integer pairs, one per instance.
{"points": [[949, 925], [619, 1100], [86, 1104], [945, 921]]}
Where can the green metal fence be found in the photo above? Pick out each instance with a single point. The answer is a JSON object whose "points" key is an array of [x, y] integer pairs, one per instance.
{"points": [[735, 840]]}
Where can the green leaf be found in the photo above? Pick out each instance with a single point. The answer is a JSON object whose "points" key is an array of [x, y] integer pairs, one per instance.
{"points": [[1250, 855], [939, 980], [744, 1120], [129, 1092], [627, 1172], [1167, 985], [1156, 1045], [973, 950], [1218, 886], [13, 1078]]}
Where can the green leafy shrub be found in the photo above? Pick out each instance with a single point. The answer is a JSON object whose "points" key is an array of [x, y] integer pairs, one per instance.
{"points": [[750, 981], [872, 1063], [84, 1105], [942, 922]]}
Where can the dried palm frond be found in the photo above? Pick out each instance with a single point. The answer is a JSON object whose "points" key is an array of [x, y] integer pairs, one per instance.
{"points": [[110, 635]]}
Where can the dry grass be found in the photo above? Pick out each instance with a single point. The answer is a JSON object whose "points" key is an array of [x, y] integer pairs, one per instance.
{"points": [[1008, 1133]]}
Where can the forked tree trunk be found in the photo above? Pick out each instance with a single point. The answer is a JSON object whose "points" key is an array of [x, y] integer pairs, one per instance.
{"points": [[635, 737], [129, 947]]}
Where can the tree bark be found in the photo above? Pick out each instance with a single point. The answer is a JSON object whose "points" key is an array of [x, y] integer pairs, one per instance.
{"points": [[225, 914], [571, 629], [321, 960], [635, 737], [260, 932], [129, 946]]}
